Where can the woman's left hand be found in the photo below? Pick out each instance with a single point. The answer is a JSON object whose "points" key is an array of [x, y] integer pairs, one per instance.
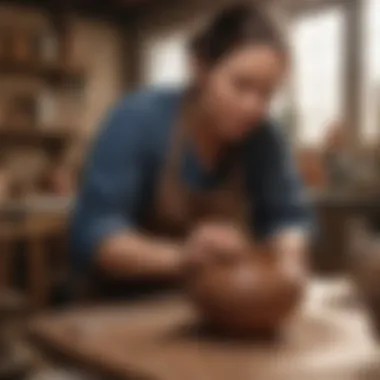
{"points": [[215, 243]]}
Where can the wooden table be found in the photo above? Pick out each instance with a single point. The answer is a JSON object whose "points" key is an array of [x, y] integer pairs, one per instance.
{"points": [[335, 211], [158, 340], [34, 229]]}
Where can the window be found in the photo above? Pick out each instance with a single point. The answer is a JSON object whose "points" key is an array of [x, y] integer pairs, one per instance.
{"points": [[165, 60], [318, 53]]}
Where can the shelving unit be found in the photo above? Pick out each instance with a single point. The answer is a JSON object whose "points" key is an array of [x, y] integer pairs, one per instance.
{"points": [[38, 122], [34, 136], [52, 73]]}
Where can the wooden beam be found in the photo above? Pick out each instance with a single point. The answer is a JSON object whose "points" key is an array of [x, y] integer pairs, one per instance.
{"points": [[104, 10], [353, 11], [298, 8], [131, 55]]}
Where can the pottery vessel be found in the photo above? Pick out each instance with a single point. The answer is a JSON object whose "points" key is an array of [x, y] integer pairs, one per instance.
{"points": [[246, 297]]}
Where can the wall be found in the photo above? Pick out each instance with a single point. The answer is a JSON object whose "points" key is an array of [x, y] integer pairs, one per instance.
{"points": [[97, 46]]}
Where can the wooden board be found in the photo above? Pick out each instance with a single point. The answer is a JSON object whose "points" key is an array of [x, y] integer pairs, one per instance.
{"points": [[158, 340], [36, 225]]}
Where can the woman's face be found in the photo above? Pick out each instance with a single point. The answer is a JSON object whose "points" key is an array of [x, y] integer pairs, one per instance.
{"points": [[236, 91]]}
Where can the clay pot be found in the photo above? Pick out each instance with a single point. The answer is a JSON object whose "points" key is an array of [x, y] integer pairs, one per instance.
{"points": [[247, 297]]}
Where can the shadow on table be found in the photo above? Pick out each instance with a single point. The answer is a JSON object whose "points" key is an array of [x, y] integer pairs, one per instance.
{"points": [[202, 332]]}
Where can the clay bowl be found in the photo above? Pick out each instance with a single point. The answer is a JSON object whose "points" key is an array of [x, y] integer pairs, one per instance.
{"points": [[244, 299]]}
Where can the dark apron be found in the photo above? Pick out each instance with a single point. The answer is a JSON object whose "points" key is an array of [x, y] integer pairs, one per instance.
{"points": [[175, 212]]}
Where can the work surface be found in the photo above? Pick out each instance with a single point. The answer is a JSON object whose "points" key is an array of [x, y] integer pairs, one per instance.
{"points": [[329, 340]]}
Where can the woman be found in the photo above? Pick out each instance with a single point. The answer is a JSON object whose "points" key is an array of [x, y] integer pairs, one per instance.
{"points": [[178, 174]]}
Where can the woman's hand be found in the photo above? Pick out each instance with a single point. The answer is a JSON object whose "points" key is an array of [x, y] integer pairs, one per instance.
{"points": [[288, 252], [213, 244]]}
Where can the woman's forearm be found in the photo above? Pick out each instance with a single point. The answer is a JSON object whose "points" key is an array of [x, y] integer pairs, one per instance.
{"points": [[286, 257], [134, 255]]}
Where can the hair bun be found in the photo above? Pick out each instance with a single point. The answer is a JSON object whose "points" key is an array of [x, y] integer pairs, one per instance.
{"points": [[235, 25], [238, 13]]}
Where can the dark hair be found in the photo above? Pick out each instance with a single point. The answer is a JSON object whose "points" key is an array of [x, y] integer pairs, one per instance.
{"points": [[233, 27]]}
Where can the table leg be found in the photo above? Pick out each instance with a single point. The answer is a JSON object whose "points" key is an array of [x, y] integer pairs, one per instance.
{"points": [[5, 265], [38, 275]]}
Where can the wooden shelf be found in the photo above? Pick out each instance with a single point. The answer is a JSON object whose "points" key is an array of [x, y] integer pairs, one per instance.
{"points": [[34, 135], [54, 73]]}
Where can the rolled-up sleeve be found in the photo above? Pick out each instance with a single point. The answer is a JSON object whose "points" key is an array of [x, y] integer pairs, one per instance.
{"points": [[111, 184], [278, 198]]}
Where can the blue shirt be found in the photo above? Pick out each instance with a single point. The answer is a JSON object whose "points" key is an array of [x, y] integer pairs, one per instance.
{"points": [[126, 158]]}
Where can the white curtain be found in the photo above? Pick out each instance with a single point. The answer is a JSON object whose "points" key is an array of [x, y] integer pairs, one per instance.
{"points": [[371, 71], [317, 42]]}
